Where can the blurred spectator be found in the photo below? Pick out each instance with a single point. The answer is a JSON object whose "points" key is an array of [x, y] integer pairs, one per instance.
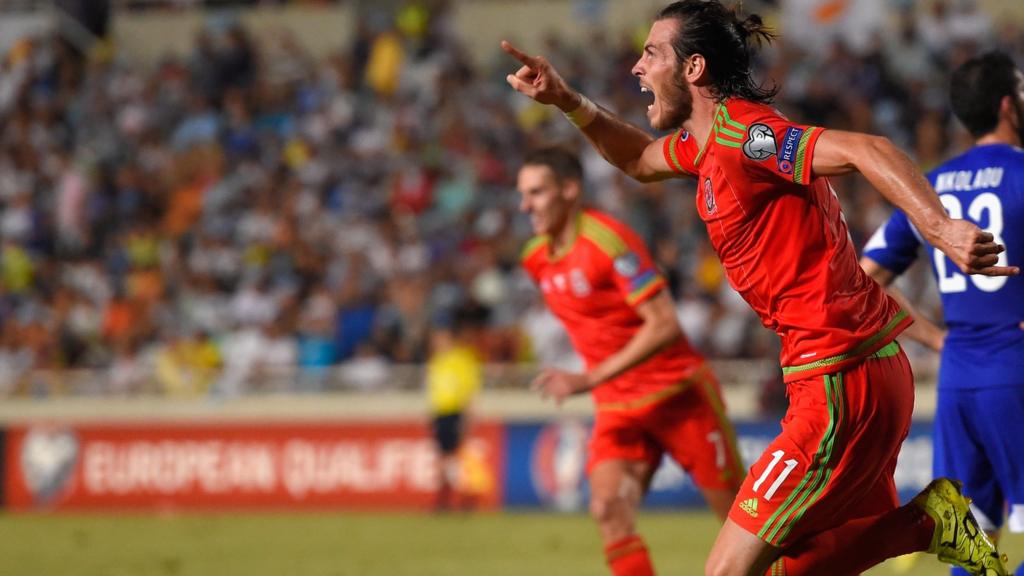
{"points": [[185, 366], [228, 219]]}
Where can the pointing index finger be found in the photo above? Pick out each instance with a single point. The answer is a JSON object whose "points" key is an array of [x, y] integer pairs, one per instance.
{"points": [[517, 54], [999, 271]]}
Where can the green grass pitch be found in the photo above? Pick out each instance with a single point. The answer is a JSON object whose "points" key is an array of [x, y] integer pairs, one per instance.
{"points": [[288, 544]]}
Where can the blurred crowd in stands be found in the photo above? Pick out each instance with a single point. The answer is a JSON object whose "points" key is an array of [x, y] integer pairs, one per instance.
{"points": [[250, 217]]}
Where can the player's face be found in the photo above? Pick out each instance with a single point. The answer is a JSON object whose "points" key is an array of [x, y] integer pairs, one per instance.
{"points": [[544, 198], [660, 74]]}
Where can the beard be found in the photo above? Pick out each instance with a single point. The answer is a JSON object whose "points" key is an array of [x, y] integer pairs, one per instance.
{"points": [[676, 103]]}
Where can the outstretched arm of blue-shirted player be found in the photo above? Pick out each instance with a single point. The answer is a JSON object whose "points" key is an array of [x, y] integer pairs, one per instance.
{"points": [[887, 255], [889, 170], [923, 330]]}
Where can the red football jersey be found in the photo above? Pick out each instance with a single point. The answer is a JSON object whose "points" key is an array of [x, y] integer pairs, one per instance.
{"points": [[592, 287], [783, 240]]}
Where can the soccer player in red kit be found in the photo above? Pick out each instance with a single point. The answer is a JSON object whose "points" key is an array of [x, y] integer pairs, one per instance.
{"points": [[821, 499], [653, 393]]}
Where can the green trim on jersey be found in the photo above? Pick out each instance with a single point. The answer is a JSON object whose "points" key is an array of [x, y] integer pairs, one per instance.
{"points": [[801, 170], [673, 142], [725, 129], [728, 143], [534, 244], [814, 481], [604, 237], [727, 132], [731, 122], [836, 410], [860, 349], [888, 351]]}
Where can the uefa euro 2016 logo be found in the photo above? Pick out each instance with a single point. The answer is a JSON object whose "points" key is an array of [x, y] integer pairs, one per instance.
{"points": [[558, 464]]}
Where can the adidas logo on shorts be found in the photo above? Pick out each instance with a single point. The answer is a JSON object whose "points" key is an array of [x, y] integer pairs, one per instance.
{"points": [[749, 506]]}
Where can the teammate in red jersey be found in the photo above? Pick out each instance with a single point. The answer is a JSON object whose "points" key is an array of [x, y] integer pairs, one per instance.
{"points": [[652, 392], [821, 499]]}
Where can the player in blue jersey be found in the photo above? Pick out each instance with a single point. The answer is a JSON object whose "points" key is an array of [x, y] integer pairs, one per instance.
{"points": [[979, 420]]}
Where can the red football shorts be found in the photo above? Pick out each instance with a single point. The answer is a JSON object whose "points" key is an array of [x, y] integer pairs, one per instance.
{"points": [[835, 458], [688, 422]]}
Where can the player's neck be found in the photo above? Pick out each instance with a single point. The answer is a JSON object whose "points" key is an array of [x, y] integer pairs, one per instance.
{"points": [[998, 137], [1003, 134], [702, 119], [566, 235]]}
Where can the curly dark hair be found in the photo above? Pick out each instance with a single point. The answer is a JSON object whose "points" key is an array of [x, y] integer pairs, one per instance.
{"points": [[726, 41]]}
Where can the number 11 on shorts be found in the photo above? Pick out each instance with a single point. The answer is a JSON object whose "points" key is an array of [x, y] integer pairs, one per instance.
{"points": [[776, 457]]}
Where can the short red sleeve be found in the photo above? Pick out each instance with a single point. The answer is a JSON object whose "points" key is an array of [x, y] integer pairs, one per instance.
{"points": [[635, 276], [681, 153]]}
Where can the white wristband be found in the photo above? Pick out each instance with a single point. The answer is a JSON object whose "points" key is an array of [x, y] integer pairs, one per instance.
{"points": [[584, 114]]}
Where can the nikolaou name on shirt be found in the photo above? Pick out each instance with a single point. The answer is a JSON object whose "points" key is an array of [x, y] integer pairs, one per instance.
{"points": [[967, 180]]}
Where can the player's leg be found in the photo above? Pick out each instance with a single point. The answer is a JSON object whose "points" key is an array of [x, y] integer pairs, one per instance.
{"points": [[991, 464], [616, 490], [878, 400], [719, 501], [447, 434], [885, 530], [792, 470], [737, 552], [622, 461], [692, 427], [848, 549], [812, 479], [960, 453]]}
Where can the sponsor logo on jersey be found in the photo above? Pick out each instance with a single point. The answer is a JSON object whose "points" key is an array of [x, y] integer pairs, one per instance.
{"points": [[684, 136], [749, 506], [760, 144], [709, 197], [790, 144], [627, 265]]}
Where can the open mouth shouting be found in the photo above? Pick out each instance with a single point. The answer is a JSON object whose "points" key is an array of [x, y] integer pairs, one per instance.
{"points": [[647, 90]]}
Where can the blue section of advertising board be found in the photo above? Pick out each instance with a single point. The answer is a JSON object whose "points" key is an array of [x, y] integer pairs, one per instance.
{"points": [[546, 465]]}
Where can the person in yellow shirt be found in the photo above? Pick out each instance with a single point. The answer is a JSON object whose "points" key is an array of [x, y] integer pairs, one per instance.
{"points": [[454, 376], [187, 365]]}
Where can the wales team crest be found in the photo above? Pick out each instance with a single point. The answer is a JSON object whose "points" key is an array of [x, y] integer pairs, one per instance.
{"points": [[709, 197]]}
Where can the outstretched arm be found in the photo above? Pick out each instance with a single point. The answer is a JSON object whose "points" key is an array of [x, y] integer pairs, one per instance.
{"points": [[659, 329], [922, 330], [889, 170], [622, 144]]}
